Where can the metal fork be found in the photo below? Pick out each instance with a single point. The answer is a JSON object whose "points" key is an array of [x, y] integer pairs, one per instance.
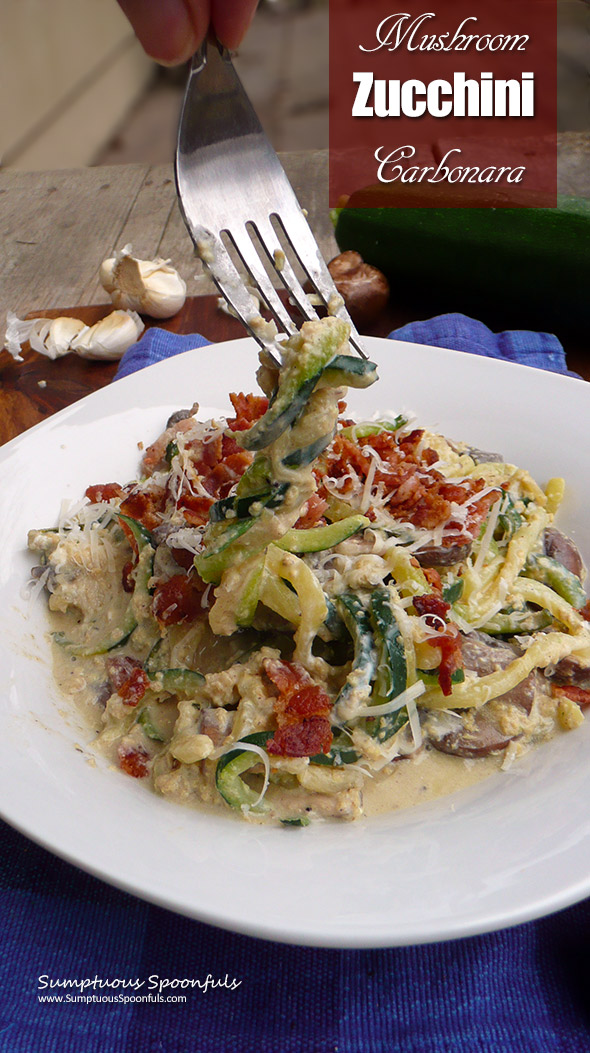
{"points": [[230, 180]]}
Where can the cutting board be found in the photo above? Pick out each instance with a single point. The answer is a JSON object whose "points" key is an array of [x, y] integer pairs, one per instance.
{"points": [[33, 389]]}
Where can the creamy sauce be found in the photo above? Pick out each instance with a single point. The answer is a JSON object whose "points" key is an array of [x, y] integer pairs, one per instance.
{"points": [[424, 778], [413, 781]]}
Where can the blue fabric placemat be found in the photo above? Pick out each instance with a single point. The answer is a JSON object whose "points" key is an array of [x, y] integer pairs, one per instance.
{"points": [[514, 991]]}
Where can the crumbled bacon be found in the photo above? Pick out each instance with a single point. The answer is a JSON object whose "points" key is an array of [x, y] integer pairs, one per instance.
{"points": [[433, 606], [432, 577], [451, 658], [146, 506], [577, 694], [134, 761], [309, 701], [127, 678], [311, 736], [312, 512], [585, 611], [286, 676], [177, 600], [414, 490], [301, 711], [103, 492], [219, 464], [248, 409]]}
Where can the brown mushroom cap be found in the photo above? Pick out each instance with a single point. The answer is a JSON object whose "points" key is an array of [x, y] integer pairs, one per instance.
{"points": [[364, 289]]}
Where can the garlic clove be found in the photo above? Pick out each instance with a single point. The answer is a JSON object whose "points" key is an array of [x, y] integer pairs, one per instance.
{"points": [[109, 338], [62, 332], [51, 337], [153, 287]]}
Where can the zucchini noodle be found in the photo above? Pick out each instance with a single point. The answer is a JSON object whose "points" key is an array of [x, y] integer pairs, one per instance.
{"points": [[291, 588]]}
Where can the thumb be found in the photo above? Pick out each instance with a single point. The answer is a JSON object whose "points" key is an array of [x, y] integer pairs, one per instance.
{"points": [[169, 31]]}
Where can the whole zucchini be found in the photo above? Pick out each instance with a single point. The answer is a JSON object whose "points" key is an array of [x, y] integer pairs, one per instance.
{"points": [[535, 262]]}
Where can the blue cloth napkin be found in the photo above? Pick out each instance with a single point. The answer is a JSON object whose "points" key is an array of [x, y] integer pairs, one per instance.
{"points": [[514, 991]]}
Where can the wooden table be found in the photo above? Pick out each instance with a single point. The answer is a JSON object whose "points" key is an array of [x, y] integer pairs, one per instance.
{"points": [[57, 227]]}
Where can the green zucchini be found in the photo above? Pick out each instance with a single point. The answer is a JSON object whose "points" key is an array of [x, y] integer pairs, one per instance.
{"points": [[231, 508], [176, 681], [212, 562], [351, 372], [511, 622], [557, 577], [364, 665], [391, 676], [316, 539], [115, 638], [149, 728], [118, 636], [453, 591], [141, 534], [230, 768], [534, 260], [362, 431], [508, 521], [299, 458], [247, 602], [297, 383], [341, 752]]}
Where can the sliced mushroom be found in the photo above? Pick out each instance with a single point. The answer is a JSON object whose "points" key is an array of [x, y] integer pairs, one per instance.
{"points": [[439, 556], [478, 736], [364, 289], [482, 654], [563, 549]]}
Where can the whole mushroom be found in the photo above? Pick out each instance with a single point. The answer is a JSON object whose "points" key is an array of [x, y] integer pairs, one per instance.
{"points": [[364, 289]]}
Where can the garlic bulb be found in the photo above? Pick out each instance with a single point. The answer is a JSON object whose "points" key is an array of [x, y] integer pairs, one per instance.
{"points": [[54, 337], [150, 286]]}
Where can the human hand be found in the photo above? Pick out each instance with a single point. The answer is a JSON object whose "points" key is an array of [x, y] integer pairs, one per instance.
{"points": [[171, 30]]}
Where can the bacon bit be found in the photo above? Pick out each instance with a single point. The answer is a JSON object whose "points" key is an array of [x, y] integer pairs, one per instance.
{"points": [[416, 491], [147, 507], [248, 408], [177, 600], [432, 577], [432, 606], [315, 507], [135, 688], [286, 676], [229, 446], [311, 736], [301, 711], [128, 679], [194, 508], [451, 658], [585, 611], [103, 492], [310, 701], [119, 670], [127, 579], [134, 761], [577, 694]]}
